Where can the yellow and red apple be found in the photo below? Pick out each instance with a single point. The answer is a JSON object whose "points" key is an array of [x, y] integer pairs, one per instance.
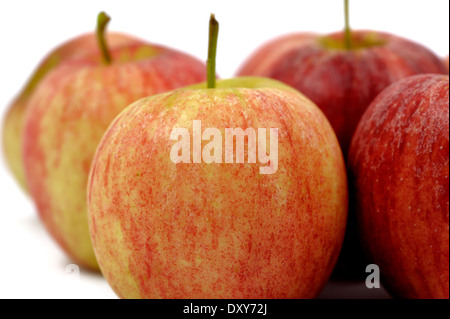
{"points": [[399, 166], [213, 225], [13, 122], [67, 116]]}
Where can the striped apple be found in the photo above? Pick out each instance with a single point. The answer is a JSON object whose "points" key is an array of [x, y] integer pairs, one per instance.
{"points": [[14, 118], [399, 167], [66, 118], [342, 82], [165, 228]]}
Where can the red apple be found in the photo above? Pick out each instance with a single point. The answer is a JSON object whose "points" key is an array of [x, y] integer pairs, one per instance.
{"points": [[13, 122], [208, 227], [66, 118], [342, 82], [399, 163]]}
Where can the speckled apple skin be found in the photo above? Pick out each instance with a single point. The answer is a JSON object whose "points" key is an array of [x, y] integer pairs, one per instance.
{"points": [[165, 230], [66, 119], [341, 82], [14, 118], [399, 163]]}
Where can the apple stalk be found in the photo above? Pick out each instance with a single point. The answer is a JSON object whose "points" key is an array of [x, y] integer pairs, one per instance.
{"points": [[348, 31], [212, 50], [102, 22]]}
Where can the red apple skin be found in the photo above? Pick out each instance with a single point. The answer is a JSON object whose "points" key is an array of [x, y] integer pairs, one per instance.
{"points": [[66, 118], [446, 61], [14, 118], [269, 55], [342, 82], [165, 230], [399, 165]]}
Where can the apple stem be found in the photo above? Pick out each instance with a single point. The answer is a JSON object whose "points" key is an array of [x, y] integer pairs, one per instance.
{"points": [[348, 31], [212, 50], [102, 21]]}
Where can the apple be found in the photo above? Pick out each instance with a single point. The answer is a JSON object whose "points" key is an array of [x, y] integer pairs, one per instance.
{"points": [[13, 121], [341, 72], [227, 189], [399, 166], [67, 116]]}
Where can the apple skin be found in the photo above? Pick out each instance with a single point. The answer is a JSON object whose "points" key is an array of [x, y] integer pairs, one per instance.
{"points": [[13, 121], [66, 118], [165, 230], [342, 82], [266, 57], [446, 62], [399, 166]]}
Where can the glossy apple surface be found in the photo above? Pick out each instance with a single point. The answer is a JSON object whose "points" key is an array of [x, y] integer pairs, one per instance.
{"points": [[66, 118], [399, 165], [198, 230]]}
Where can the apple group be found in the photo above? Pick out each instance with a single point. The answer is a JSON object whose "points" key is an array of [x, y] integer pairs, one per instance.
{"points": [[343, 76], [360, 175]]}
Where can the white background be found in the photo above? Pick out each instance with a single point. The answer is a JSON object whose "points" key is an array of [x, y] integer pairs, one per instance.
{"points": [[31, 265]]}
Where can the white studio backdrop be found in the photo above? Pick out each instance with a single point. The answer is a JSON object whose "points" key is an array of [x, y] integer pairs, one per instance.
{"points": [[31, 265]]}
